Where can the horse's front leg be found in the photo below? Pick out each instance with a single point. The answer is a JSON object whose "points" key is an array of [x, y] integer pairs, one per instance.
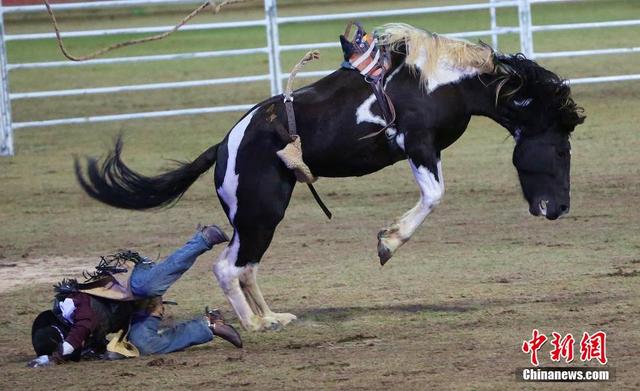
{"points": [[427, 171]]}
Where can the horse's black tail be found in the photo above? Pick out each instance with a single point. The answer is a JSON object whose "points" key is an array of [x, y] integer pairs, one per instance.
{"points": [[117, 185]]}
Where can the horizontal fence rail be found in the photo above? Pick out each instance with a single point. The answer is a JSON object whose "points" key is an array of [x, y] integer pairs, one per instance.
{"points": [[138, 59], [121, 117], [272, 50], [139, 87], [136, 30], [96, 5]]}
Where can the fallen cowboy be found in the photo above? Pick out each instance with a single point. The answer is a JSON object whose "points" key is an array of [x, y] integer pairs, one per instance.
{"points": [[124, 296]]}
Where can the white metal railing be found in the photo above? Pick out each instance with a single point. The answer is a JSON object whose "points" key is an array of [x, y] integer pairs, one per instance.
{"points": [[6, 132], [97, 5], [273, 50]]}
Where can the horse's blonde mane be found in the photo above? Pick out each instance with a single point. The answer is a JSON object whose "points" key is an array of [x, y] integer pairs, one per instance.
{"points": [[426, 51]]}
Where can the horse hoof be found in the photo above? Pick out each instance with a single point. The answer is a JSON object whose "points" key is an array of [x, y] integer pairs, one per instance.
{"points": [[270, 323], [283, 318]]}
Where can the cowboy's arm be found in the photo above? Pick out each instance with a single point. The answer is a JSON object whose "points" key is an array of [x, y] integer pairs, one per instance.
{"points": [[84, 323]]}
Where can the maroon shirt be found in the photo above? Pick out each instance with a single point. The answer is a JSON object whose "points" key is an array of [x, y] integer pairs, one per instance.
{"points": [[85, 320]]}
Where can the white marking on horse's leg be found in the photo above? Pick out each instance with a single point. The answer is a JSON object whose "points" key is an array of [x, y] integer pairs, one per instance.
{"points": [[228, 278], [250, 299], [225, 270], [253, 293], [431, 192], [251, 290]]}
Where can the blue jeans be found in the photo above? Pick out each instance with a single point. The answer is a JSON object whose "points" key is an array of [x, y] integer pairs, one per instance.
{"points": [[147, 337], [151, 279]]}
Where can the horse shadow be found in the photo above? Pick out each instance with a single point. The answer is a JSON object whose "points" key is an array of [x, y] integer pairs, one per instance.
{"points": [[330, 314]]}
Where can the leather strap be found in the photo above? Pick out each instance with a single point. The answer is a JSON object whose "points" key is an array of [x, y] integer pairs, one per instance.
{"points": [[293, 133], [291, 116], [362, 53], [386, 106]]}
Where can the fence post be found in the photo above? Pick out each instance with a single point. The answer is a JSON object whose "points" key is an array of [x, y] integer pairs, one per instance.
{"points": [[6, 135], [526, 36], [273, 43], [494, 25]]}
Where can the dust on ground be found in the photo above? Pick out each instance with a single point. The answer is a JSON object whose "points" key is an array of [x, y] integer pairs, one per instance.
{"points": [[33, 271]]}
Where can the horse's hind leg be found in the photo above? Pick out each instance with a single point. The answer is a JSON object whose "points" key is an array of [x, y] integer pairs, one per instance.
{"points": [[237, 266], [227, 275], [254, 188], [256, 300]]}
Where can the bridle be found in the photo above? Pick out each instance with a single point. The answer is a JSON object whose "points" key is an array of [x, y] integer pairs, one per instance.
{"points": [[362, 53]]}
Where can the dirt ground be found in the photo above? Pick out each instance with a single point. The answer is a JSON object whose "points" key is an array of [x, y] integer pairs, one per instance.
{"points": [[34, 271], [449, 311]]}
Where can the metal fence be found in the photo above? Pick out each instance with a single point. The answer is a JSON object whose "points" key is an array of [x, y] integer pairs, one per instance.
{"points": [[275, 76]]}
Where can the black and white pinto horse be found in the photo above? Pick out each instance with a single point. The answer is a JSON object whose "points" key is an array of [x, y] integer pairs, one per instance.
{"points": [[436, 85]]}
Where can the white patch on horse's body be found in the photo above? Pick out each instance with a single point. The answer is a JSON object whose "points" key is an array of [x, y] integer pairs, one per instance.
{"points": [[440, 60], [364, 113], [227, 191], [445, 73], [400, 140], [391, 132]]}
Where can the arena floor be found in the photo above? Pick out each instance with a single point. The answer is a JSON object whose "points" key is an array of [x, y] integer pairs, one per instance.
{"points": [[449, 311]]}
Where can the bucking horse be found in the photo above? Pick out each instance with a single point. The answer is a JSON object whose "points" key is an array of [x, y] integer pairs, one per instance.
{"points": [[435, 84]]}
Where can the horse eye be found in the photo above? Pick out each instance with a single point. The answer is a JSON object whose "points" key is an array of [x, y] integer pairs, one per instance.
{"points": [[562, 153]]}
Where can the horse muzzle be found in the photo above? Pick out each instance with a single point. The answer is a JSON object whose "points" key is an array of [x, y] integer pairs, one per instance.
{"points": [[548, 208]]}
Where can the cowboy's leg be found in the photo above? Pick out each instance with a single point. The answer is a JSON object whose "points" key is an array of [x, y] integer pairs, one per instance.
{"points": [[155, 279], [147, 337]]}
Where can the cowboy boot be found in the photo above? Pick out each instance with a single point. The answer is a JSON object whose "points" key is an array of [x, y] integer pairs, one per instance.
{"points": [[221, 329], [213, 234]]}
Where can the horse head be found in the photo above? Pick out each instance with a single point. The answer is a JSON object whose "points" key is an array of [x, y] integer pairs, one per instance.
{"points": [[537, 108]]}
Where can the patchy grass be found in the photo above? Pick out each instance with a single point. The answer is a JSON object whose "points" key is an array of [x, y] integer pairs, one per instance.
{"points": [[450, 310]]}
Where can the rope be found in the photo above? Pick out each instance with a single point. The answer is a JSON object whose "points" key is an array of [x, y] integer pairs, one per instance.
{"points": [[310, 56], [157, 37]]}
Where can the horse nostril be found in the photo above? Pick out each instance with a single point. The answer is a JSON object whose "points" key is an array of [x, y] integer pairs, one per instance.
{"points": [[564, 208]]}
